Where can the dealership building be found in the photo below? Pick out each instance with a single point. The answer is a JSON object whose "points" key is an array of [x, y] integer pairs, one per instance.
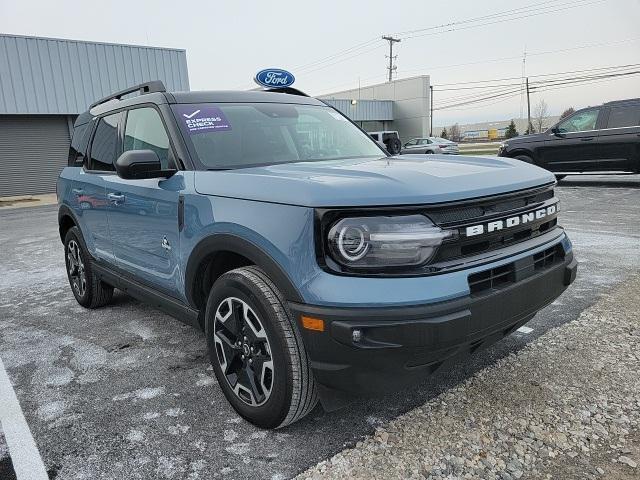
{"points": [[402, 105], [45, 83]]}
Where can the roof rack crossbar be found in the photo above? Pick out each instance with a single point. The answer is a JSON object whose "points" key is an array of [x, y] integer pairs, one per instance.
{"points": [[143, 88]]}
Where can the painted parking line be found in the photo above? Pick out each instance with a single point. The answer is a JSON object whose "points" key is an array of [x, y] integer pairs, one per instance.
{"points": [[25, 456]]}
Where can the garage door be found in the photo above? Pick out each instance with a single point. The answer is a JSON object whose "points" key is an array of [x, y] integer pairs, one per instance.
{"points": [[33, 150]]}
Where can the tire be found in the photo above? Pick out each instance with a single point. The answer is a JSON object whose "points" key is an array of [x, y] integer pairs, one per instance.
{"points": [[428, 152], [394, 146], [525, 158], [284, 389], [89, 291]]}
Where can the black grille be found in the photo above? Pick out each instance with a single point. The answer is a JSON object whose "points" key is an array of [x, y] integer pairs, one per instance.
{"points": [[459, 217], [487, 208], [504, 275], [492, 279]]}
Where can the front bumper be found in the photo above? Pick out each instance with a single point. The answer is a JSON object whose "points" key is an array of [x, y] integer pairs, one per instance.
{"points": [[401, 345]]}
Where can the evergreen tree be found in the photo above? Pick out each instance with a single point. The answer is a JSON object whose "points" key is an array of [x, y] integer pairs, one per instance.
{"points": [[567, 112], [511, 130], [444, 133]]}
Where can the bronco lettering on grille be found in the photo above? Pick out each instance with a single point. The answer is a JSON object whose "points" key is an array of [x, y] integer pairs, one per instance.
{"points": [[511, 221]]}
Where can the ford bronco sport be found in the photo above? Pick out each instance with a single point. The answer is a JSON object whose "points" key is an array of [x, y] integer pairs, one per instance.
{"points": [[317, 266]]}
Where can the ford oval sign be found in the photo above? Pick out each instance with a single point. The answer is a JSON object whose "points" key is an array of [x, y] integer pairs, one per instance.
{"points": [[274, 77]]}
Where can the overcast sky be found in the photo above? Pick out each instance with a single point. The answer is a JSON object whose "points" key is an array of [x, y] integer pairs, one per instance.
{"points": [[227, 42]]}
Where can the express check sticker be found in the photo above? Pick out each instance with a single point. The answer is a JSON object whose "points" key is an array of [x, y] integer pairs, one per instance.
{"points": [[202, 119]]}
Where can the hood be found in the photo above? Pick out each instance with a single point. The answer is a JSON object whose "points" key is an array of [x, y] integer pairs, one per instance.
{"points": [[534, 137], [400, 180]]}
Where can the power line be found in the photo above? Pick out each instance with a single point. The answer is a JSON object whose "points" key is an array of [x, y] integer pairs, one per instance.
{"points": [[508, 19], [552, 84], [540, 9], [628, 65]]}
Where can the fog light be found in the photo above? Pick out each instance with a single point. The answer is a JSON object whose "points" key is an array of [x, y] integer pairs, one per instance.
{"points": [[356, 335]]}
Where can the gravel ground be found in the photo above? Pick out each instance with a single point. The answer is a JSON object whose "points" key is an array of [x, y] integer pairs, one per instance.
{"points": [[565, 406]]}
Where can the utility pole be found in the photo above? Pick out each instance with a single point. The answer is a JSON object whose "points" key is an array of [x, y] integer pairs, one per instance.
{"points": [[431, 111], [391, 66], [529, 126]]}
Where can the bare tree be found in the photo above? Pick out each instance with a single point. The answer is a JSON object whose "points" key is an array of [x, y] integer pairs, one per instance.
{"points": [[454, 133], [540, 114]]}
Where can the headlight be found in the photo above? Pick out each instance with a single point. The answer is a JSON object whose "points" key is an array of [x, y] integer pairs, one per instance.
{"points": [[379, 242]]}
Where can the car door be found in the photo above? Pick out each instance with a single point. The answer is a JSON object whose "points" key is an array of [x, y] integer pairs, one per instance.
{"points": [[571, 146], [410, 146], [89, 190], [143, 214], [619, 140]]}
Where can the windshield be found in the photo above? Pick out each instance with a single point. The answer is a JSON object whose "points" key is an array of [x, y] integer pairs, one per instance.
{"points": [[227, 136]]}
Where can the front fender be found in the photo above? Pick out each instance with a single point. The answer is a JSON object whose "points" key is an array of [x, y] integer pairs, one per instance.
{"points": [[226, 242]]}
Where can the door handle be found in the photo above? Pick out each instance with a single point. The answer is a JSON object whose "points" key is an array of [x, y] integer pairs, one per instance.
{"points": [[77, 191], [116, 198], [587, 139]]}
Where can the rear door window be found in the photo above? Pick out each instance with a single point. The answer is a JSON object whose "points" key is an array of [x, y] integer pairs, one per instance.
{"points": [[105, 143], [624, 116]]}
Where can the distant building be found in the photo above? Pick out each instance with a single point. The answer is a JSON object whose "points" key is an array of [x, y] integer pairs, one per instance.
{"points": [[401, 105], [45, 83]]}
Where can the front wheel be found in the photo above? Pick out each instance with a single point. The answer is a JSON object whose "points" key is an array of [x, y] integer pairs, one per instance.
{"points": [[256, 350], [524, 158]]}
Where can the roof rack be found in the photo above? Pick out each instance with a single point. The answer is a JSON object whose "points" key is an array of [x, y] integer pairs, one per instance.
{"points": [[628, 100], [143, 88], [289, 90]]}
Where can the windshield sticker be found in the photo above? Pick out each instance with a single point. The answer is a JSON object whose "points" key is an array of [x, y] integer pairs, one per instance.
{"points": [[202, 119]]}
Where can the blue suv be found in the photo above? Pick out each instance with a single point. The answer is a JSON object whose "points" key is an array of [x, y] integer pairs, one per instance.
{"points": [[318, 266]]}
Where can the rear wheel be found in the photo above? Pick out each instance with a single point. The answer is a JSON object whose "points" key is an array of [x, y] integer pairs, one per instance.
{"points": [[256, 350], [90, 292]]}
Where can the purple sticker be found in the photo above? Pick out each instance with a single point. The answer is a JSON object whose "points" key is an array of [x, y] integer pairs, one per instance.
{"points": [[202, 118]]}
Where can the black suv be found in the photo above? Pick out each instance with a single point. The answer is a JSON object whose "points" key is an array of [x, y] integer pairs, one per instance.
{"points": [[592, 140]]}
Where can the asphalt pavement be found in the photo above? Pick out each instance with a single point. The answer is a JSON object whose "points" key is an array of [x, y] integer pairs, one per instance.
{"points": [[127, 391]]}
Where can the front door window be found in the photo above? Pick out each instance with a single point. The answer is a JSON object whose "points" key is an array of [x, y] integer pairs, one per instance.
{"points": [[580, 122]]}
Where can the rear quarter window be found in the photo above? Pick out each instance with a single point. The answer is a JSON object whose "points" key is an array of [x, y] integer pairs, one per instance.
{"points": [[79, 142]]}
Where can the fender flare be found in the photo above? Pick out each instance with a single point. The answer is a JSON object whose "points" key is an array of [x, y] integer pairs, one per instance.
{"points": [[225, 242], [65, 211]]}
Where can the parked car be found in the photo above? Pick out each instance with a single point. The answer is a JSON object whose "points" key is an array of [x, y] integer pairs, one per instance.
{"points": [[602, 139], [391, 140], [418, 144], [318, 266]]}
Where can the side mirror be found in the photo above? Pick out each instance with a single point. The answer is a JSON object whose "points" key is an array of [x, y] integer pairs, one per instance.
{"points": [[556, 131], [139, 164]]}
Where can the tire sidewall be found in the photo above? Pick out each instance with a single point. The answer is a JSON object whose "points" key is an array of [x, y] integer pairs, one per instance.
{"points": [[274, 411]]}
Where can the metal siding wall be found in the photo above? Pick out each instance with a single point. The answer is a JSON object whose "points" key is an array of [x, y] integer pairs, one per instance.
{"points": [[364, 110], [33, 150], [53, 76]]}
